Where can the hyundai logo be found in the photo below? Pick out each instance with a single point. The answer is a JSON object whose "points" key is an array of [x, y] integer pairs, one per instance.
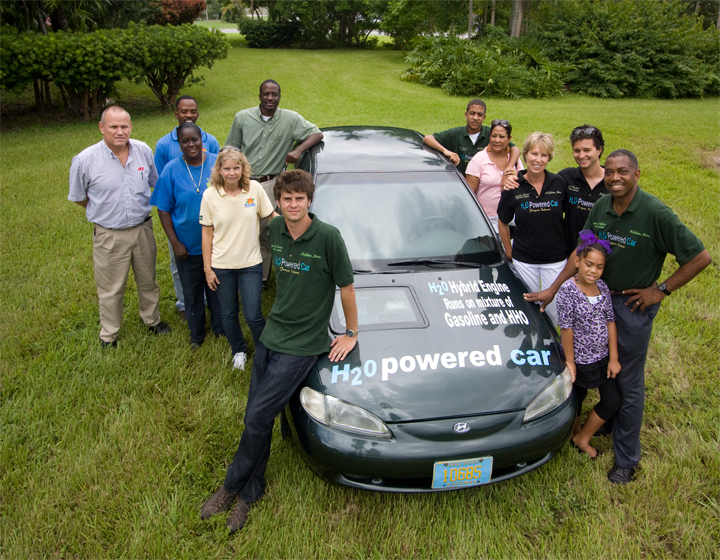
{"points": [[461, 427]]}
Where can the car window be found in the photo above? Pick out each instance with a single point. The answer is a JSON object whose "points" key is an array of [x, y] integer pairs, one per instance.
{"points": [[384, 217]]}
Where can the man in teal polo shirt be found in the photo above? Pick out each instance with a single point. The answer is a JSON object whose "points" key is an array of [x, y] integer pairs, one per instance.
{"points": [[460, 144], [267, 136], [642, 231], [310, 260]]}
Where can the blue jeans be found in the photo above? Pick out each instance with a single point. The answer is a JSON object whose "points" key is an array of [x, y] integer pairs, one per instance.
{"points": [[177, 284], [196, 291], [275, 377], [249, 282]]}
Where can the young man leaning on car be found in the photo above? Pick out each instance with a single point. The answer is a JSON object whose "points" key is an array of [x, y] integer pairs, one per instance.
{"points": [[305, 296]]}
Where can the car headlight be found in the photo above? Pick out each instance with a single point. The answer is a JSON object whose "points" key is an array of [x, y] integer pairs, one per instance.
{"points": [[342, 415], [550, 397]]}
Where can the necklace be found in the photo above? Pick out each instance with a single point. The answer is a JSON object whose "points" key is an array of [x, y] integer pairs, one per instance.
{"points": [[202, 164]]}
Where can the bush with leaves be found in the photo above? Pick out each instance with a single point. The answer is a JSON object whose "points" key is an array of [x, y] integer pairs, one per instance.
{"points": [[631, 49], [86, 66], [261, 34], [495, 65], [166, 58]]}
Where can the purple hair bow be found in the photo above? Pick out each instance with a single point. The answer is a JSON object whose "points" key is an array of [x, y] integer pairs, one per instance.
{"points": [[587, 238]]}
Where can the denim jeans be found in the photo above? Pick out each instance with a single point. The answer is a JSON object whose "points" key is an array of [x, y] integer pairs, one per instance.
{"points": [[249, 282], [177, 284], [196, 291], [275, 377]]}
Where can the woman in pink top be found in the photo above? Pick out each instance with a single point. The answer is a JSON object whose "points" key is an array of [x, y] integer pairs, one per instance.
{"points": [[485, 171]]}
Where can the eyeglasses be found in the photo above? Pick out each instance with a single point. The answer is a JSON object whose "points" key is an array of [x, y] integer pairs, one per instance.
{"points": [[579, 130], [500, 122]]}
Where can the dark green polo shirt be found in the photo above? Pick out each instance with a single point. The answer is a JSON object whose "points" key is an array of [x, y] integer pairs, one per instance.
{"points": [[307, 269], [458, 140], [641, 238]]}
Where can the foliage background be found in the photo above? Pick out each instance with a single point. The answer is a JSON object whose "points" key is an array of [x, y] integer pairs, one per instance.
{"points": [[111, 454]]}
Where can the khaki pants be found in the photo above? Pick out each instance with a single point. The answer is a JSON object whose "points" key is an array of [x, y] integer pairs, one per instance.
{"points": [[114, 252], [265, 251]]}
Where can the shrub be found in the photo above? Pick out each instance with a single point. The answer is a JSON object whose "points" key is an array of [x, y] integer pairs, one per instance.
{"points": [[167, 57], [261, 34], [496, 65], [631, 49], [86, 66]]}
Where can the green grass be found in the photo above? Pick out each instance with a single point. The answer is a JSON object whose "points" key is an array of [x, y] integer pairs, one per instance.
{"points": [[111, 454], [216, 24]]}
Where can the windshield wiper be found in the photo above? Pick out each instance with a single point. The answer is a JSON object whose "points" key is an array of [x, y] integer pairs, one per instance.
{"points": [[436, 261], [367, 271]]}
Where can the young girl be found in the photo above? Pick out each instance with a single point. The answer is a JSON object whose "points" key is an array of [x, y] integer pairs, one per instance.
{"points": [[589, 338]]}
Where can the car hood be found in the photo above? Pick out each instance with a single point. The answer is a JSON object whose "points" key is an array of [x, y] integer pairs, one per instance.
{"points": [[475, 347]]}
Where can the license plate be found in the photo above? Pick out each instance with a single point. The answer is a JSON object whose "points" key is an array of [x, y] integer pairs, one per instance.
{"points": [[459, 474]]}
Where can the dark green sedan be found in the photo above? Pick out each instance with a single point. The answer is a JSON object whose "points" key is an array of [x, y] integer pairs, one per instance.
{"points": [[455, 381]]}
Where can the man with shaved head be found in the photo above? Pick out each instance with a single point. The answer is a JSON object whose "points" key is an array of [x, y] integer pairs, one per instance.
{"points": [[642, 231], [112, 181]]}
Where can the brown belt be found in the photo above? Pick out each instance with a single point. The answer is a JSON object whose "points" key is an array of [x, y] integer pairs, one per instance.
{"points": [[263, 178], [616, 293]]}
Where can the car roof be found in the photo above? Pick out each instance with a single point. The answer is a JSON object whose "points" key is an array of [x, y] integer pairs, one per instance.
{"points": [[375, 149]]}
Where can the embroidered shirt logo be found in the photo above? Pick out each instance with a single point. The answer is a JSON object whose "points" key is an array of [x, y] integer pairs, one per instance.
{"points": [[249, 203]]}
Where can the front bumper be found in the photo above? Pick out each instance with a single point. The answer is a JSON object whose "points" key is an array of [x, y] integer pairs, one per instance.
{"points": [[404, 463]]}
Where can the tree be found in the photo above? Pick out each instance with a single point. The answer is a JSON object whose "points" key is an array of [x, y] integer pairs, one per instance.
{"points": [[171, 55], [177, 12]]}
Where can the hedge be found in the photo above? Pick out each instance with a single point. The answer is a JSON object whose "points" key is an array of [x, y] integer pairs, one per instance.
{"points": [[87, 66]]}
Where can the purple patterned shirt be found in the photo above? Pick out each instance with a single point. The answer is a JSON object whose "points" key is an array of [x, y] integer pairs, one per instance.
{"points": [[588, 321]]}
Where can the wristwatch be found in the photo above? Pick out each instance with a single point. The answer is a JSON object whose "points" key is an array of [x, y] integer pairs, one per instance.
{"points": [[663, 288], [350, 333]]}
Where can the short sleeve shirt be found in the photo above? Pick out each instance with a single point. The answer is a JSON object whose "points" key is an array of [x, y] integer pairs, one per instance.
{"points": [[458, 140], [267, 143], [307, 270], [581, 199], [180, 191], [489, 180], [539, 219], [588, 321], [236, 223], [118, 196], [641, 239]]}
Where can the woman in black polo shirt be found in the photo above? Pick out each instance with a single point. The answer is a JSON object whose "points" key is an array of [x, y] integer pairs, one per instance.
{"points": [[538, 252]]}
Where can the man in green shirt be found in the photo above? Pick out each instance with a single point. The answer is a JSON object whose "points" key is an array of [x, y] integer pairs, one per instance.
{"points": [[642, 231], [460, 144], [310, 260], [267, 136]]}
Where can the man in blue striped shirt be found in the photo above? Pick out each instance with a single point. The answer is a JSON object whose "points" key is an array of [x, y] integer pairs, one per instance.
{"points": [[112, 181]]}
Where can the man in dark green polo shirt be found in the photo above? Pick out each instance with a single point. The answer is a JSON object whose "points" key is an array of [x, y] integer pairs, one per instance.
{"points": [[460, 144], [310, 260], [642, 231]]}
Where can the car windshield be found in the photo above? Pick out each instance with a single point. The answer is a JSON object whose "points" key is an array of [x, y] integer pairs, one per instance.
{"points": [[392, 221]]}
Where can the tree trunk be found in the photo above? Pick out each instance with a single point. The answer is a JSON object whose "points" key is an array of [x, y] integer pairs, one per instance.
{"points": [[38, 95], [86, 104], [697, 7], [516, 18], [48, 99], [470, 20], [252, 10], [492, 16], [485, 19]]}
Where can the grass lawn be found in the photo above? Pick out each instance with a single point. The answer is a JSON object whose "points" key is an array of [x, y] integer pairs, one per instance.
{"points": [[111, 454], [216, 24]]}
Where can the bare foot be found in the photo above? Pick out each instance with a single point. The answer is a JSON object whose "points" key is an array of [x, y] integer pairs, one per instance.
{"points": [[584, 447]]}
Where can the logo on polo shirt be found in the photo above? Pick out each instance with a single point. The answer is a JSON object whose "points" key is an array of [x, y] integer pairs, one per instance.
{"points": [[249, 203]]}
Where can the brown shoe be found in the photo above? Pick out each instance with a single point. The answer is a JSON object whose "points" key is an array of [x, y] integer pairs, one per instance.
{"points": [[217, 503], [238, 516]]}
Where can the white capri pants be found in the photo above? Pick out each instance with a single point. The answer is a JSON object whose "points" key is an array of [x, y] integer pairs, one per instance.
{"points": [[538, 277]]}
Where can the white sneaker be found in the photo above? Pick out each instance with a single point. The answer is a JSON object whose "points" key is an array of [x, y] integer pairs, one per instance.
{"points": [[239, 360]]}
